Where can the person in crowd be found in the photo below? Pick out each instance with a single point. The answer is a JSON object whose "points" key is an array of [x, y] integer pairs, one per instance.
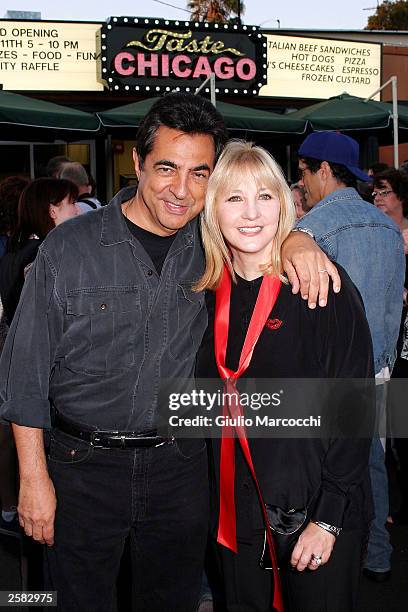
{"points": [[376, 168], [10, 190], [404, 166], [54, 165], [75, 172], [391, 196], [114, 313], [8, 483], [248, 214], [298, 195], [365, 188], [92, 191], [368, 245], [44, 204]]}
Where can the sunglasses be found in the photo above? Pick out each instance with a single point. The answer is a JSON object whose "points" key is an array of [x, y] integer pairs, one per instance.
{"points": [[382, 193]]}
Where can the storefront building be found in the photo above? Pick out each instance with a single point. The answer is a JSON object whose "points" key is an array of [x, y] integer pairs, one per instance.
{"points": [[95, 67]]}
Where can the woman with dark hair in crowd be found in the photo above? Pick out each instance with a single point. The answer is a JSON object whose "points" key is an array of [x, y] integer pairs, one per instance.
{"points": [[10, 191], [391, 196], [44, 203], [315, 493]]}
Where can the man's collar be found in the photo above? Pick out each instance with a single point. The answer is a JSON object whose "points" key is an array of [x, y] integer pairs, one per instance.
{"points": [[345, 193], [114, 228]]}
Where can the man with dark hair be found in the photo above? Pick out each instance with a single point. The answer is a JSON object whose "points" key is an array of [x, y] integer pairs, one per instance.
{"points": [[180, 113], [376, 168], [368, 245], [107, 314]]}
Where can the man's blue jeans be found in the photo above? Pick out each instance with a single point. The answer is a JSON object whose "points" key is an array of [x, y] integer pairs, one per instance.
{"points": [[157, 496], [379, 550]]}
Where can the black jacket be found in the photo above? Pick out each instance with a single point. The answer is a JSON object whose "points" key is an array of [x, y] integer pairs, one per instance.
{"points": [[12, 266], [331, 476], [97, 329]]}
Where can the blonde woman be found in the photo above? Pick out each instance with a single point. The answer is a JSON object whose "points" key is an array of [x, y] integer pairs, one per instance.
{"points": [[259, 329]]}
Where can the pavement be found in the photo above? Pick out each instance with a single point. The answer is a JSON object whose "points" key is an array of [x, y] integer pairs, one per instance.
{"points": [[391, 596]]}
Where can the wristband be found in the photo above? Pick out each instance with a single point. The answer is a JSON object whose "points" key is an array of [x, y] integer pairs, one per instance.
{"points": [[330, 528]]}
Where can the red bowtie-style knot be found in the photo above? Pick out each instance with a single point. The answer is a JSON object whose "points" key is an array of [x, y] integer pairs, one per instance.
{"points": [[267, 297]]}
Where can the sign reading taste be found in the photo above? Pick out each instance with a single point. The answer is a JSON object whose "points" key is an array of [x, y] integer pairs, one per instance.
{"points": [[153, 55], [320, 68]]}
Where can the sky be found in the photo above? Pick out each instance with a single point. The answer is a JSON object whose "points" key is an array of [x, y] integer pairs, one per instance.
{"points": [[310, 14]]}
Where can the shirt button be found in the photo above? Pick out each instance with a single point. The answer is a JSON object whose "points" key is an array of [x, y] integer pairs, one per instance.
{"points": [[104, 306], [149, 272]]}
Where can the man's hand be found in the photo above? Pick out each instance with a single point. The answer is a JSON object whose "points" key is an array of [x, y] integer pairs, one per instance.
{"points": [[37, 503], [313, 541], [308, 269], [36, 509]]}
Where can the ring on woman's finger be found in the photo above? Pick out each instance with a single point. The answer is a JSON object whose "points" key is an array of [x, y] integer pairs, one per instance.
{"points": [[323, 271], [316, 559]]}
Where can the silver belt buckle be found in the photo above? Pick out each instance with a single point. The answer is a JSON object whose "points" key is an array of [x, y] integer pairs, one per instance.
{"points": [[96, 437], [168, 441]]}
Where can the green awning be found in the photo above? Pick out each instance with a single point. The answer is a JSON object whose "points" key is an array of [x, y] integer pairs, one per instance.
{"points": [[347, 112], [402, 115], [22, 111], [236, 118]]}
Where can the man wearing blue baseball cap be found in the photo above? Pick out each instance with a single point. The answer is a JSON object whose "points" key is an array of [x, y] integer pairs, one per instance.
{"points": [[369, 246]]}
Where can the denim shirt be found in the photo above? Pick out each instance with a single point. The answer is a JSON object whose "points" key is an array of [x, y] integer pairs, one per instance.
{"points": [[97, 329], [368, 244]]}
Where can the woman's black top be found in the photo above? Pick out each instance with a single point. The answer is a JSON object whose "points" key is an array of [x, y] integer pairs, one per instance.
{"points": [[12, 266], [329, 476]]}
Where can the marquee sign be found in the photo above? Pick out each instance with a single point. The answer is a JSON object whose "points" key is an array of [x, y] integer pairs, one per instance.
{"points": [[320, 68], [49, 56], [153, 55]]}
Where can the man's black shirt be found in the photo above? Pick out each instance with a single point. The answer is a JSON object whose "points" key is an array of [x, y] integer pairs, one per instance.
{"points": [[155, 246]]}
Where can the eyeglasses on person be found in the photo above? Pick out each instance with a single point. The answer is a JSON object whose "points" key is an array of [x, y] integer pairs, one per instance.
{"points": [[383, 193]]}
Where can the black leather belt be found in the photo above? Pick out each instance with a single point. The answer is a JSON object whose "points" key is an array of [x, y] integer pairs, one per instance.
{"points": [[110, 439]]}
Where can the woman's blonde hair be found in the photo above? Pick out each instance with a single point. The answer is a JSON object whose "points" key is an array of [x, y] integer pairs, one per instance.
{"points": [[239, 159]]}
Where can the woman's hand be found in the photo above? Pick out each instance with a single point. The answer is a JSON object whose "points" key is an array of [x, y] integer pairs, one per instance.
{"points": [[308, 269], [313, 542]]}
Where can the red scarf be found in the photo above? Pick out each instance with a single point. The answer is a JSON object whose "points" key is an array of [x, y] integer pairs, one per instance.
{"points": [[267, 297]]}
